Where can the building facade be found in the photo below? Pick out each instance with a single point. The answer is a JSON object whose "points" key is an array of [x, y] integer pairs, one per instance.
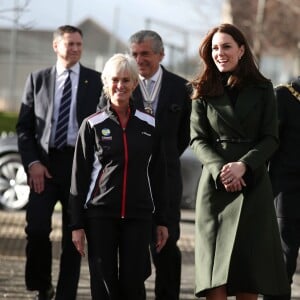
{"points": [[23, 51]]}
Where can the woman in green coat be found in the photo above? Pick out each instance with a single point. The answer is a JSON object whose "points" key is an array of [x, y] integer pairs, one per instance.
{"points": [[234, 133]]}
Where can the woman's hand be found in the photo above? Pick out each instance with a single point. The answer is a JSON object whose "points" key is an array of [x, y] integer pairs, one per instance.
{"points": [[231, 176], [78, 239], [162, 235]]}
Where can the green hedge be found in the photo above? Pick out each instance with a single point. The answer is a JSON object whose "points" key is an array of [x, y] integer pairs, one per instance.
{"points": [[8, 121]]}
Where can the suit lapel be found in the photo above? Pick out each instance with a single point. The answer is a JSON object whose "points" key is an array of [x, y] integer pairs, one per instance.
{"points": [[50, 88], [80, 90], [138, 98], [50, 84], [82, 93], [163, 97], [47, 104]]}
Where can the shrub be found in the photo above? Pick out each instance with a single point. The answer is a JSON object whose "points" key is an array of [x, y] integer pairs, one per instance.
{"points": [[8, 121]]}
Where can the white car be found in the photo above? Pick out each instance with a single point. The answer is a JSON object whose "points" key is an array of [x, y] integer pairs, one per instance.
{"points": [[14, 190]]}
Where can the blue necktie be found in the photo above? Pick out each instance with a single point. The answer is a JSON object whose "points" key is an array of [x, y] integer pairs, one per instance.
{"points": [[64, 113]]}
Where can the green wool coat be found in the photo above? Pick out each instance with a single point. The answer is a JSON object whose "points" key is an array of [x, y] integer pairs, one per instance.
{"points": [[237, 241]]}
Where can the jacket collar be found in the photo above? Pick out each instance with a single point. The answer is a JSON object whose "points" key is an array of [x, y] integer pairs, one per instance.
{"points": [[111, 112]]}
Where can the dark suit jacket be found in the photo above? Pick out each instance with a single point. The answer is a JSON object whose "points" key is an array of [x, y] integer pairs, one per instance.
{"points": [[285, 164], [35, 119], [173, 118]]}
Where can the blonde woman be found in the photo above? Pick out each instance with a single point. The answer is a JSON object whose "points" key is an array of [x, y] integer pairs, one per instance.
{"points": [[117, 188]]}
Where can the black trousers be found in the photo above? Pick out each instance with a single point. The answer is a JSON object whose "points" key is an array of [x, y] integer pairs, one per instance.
{"points": [[118, 253], [290, 240], [168, 267], [39, 212]]}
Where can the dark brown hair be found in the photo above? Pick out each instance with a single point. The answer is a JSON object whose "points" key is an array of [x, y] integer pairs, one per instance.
{"points": [[60, 31], [209, 81]]}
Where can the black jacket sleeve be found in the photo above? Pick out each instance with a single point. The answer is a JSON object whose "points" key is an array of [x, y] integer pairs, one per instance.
{"points": [[159, 181], [81, 175]]}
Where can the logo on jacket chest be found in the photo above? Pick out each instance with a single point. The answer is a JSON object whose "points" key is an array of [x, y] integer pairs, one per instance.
{"points": [[106, 134]]}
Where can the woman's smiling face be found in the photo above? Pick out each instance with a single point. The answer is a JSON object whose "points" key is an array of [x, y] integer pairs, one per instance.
{"points": [[226, 53], [120, 86]]}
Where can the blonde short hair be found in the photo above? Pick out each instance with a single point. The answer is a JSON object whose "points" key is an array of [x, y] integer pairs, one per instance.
{"points": [[119, 62]]}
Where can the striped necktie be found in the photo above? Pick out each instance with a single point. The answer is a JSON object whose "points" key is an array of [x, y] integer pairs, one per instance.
{"points": [[61, 133]]}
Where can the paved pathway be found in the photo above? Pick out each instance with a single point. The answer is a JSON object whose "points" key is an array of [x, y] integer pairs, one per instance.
{"points": [[12, 260]]}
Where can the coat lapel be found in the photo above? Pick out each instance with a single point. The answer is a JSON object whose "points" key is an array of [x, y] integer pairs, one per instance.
{"points": [[246, 101], [223, 107], [235, 116]]}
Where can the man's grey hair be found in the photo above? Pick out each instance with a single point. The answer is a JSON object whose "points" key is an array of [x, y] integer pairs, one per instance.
{"points": [[144, 35]]}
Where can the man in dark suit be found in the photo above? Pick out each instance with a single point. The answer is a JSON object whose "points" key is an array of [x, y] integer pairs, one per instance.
{"points": [[165, 95], [284, 170], [47, 154]]}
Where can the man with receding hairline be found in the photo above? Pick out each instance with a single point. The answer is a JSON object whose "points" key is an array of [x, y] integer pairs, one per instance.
{"points": [[54, 103]]}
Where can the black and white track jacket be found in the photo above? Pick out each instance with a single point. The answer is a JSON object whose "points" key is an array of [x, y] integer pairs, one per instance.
{"points": [[118, 172]]}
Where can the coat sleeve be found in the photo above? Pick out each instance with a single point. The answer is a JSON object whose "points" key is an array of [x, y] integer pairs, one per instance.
{"points": [[201, 141], [81, 175]]}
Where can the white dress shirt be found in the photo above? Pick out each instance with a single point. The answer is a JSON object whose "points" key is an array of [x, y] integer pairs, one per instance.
{"points": [[61, 75]]}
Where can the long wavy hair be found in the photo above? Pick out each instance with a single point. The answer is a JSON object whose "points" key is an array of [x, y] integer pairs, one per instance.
{"points": [[209, 81]]}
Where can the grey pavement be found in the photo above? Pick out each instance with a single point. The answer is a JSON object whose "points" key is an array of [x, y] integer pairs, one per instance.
{"points": [[12, 259]]}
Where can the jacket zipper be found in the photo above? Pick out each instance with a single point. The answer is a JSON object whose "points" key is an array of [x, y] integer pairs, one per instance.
{"points": [[123, 204], [125, 171]]}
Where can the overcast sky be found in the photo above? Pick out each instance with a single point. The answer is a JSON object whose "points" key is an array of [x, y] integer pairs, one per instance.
{"points": [[175, 20]]}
